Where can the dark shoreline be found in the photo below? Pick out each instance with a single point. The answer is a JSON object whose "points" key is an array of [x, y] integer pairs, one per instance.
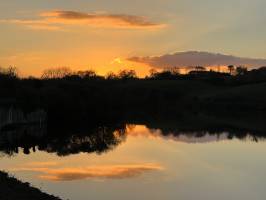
{"points": [[83, 93], [13, 189]]}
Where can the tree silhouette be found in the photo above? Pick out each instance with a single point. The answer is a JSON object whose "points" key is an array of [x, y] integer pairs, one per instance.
{"points": [[111, 76], [10, 72], [200, 68], [241, 70], [127, 74], [231, 69], [89, 74]]}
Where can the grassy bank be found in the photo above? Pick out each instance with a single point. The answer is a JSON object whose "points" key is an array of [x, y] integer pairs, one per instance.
{"points": [[12, 189]]}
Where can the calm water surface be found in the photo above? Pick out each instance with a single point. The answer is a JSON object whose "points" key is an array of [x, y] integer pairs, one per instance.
{"points": [[147, 165]]}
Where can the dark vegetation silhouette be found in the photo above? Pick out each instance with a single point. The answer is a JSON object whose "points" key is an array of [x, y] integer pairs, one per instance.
{"points": [[94, 107], [61, 91]]}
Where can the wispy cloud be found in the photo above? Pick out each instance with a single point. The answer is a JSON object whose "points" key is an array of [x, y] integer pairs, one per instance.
{"points": [[96, 172], [55, 20]]}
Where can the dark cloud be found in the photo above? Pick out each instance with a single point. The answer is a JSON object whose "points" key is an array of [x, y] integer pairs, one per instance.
{"points": [[56, 20], [194, 58], [129, 19]]}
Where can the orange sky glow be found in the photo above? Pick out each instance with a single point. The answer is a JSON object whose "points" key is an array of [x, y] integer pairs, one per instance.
{"points": [[101, 36]]}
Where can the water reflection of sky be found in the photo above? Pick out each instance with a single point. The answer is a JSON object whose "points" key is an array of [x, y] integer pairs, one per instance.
{"points": [[150, 166]]}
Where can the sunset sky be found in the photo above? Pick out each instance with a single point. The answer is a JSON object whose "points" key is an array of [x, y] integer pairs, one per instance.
{"points": [[102, 34]]}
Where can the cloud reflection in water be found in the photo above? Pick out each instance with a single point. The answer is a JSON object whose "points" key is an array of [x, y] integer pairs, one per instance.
{"points": [[93, 172]]}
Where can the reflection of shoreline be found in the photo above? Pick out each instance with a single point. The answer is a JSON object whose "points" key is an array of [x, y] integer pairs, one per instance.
{"points": [[15, 125], [69, 139], [11, 117], [204, 139], [17, 128], [99, 140], [185, 137]]}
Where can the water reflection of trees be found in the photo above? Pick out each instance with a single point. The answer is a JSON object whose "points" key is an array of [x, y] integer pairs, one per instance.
{"points": [[98, 140], [223, 127], [204, 136], [94, 137]]}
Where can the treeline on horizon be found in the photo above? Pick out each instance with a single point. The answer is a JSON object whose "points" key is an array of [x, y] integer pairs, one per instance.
{"points": [[169, 73], [166, 74], [84, 95]]}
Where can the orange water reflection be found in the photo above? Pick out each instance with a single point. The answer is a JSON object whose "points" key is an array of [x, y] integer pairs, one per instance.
{"points": [[95, 172], [149, 164]]}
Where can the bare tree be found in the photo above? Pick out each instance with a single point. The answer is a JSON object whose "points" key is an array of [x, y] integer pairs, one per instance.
{"points": [[111, 76], [87, 74], [56, 73], [127, 74], [11, 71]]}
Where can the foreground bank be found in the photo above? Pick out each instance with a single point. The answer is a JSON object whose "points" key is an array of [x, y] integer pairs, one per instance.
{"points": [[12, 189]]}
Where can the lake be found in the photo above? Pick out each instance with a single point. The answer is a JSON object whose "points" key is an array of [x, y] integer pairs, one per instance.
{"points": [[138, 162]]}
